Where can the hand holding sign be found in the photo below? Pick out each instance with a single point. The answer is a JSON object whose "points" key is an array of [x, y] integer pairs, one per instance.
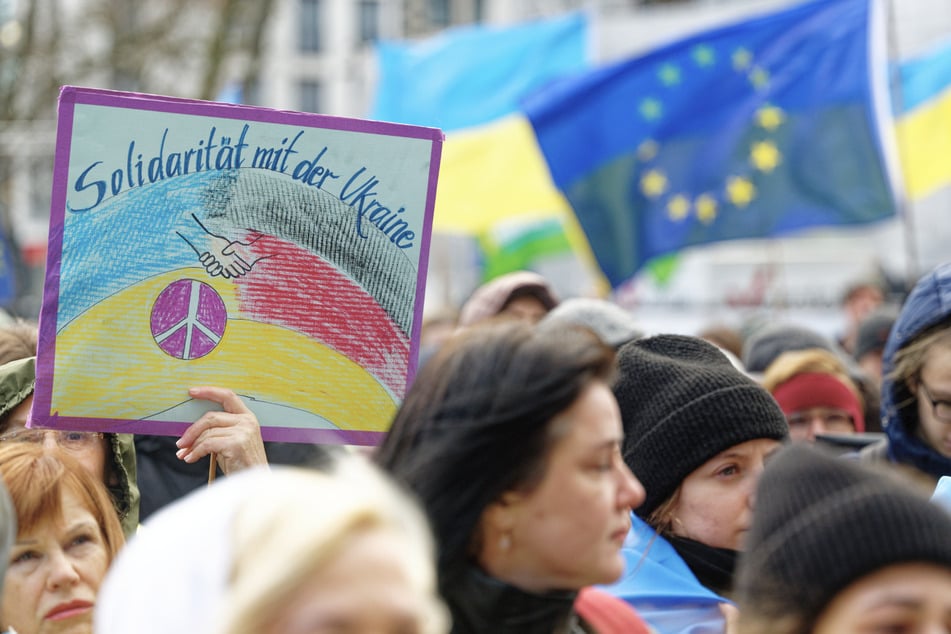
{"points": [[227, 258], [233, 434]]}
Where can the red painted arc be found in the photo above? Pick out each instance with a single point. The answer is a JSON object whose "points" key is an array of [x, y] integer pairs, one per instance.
{"points": [[299, 290]]}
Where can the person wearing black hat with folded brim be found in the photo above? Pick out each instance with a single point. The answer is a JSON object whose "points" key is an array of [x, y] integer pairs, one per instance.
{"points": [[836, 548], [698, 432]]}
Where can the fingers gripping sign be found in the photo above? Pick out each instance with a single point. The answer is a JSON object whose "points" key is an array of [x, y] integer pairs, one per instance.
{"points": [[233, 434]]}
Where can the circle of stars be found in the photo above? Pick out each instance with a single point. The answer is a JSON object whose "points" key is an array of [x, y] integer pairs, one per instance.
{"points": [[739, 189]]}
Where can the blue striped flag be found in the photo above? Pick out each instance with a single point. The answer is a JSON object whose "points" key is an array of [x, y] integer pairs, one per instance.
{"points": [[471, 75]]}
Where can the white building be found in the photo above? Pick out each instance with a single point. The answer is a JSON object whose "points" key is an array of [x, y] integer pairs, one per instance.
{"points": [[319, 57]]}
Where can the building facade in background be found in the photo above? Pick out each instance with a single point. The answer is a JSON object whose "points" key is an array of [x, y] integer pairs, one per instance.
{"points": [[317, 56]]}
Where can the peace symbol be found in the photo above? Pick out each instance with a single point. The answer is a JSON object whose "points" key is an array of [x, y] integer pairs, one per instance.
{"points": [[188, 319]]}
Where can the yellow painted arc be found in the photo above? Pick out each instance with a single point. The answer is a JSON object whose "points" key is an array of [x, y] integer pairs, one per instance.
{"points": [[108, 365]]}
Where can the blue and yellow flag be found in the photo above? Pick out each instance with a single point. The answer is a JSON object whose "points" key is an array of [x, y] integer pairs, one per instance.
{"points": [[924, 126], [470, 75], [752, 130], [494, 183]]}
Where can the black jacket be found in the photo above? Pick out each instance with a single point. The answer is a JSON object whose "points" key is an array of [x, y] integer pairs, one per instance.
{"points": [[163, 478], [481, 604]]}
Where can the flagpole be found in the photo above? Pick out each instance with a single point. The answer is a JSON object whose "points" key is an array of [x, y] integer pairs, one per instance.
{"points": [[904, 206]]}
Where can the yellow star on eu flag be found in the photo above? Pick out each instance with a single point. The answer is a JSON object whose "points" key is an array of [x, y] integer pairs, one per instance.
{"points": [[678, 207], [651, 109], [765, 156], [742, 59], [770, 117], [653, 183], [740, 191], [759, 77], [669, 74], [647, 150], [706, 208], [703, 55]]}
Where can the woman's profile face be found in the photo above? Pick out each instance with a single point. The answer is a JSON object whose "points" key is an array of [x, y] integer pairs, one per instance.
{"points": [[933, 391], [54, 574], [566, 532], [365, 587], [908, 598], [715, 502]]}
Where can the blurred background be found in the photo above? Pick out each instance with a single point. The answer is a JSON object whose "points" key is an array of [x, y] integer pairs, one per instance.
{"points": [[320, 56]]}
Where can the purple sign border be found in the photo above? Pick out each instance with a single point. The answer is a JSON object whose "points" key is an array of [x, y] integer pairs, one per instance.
{"points": [[42, 414]]}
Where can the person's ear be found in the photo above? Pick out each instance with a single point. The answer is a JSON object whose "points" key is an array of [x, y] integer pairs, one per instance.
{"points": [[912, 384], [497, 525], [501, 515]]}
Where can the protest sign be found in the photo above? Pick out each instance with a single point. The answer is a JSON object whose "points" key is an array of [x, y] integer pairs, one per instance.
{"points": [[279, 254]]}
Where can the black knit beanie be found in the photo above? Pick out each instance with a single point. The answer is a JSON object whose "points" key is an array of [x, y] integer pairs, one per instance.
{"points": [[682, 402], [822, 522]]}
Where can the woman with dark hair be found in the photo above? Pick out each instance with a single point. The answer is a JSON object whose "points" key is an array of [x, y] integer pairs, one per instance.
{"points": [[511, 438]]}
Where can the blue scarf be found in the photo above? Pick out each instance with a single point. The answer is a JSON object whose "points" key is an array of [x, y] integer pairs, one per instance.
{"points": [[908, 449], [662, 587]]}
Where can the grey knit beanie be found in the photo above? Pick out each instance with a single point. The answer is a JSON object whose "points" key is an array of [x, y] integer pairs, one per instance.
{"points": [[822, 522], [873, 331], [766, 344], [682, 402], [614, 325]]}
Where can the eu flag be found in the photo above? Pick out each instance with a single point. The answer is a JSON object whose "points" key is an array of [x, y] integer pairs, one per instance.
{"points": [[752, 130]]}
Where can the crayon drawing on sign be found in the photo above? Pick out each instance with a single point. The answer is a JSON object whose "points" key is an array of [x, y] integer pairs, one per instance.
{"points": [[281, 255]]}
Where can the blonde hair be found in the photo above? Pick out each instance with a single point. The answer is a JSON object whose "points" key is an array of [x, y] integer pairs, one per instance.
{"points": [[283, 534], [909, 360], [662, 518], [37, 478], [18, 341], [753, 621], [814, 360]]}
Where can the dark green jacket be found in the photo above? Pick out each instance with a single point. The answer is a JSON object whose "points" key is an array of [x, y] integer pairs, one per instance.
{"points": [[17, 380]]}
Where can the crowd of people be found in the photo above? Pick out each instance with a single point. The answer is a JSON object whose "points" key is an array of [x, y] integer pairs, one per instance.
{"points": [[553, 469]]}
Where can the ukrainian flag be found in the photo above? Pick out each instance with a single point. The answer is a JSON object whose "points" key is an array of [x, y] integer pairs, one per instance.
{"points": [[924, 126], [494, 183]]}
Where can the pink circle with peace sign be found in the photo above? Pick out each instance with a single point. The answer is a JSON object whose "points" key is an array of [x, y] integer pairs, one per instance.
{"points": [[188, 319]]}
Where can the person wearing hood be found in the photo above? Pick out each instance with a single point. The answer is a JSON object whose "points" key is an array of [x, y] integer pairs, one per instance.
{"points": [[109, 457], [698, 433], [916, 386]]}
